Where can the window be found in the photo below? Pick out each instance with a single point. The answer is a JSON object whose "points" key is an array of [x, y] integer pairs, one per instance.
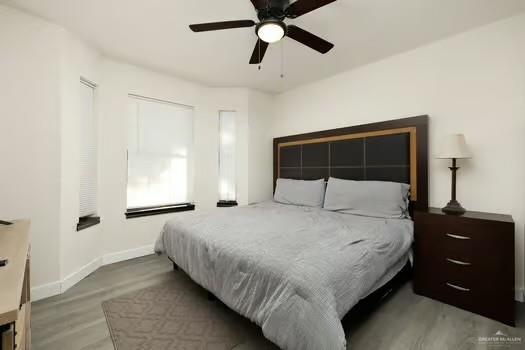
{"points": [[227, 163], [88, 157], [160, 145]]}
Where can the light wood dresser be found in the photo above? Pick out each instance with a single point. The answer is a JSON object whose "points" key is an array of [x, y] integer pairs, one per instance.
{"points": [[15, 305]]}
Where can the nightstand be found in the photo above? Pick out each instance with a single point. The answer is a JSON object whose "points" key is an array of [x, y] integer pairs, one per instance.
{"points": [[466, 261]]}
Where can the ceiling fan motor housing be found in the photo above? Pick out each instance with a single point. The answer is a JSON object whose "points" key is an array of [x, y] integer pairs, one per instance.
{"points": [[275, 9]]}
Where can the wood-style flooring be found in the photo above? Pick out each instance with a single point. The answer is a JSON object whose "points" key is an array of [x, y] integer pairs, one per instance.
{"points": [[75, 321]]}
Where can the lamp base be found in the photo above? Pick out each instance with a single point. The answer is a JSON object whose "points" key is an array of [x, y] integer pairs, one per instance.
{"points": [[453, 207]]}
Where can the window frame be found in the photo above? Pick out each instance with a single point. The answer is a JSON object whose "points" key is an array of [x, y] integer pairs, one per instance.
{"points": [[89, 220], [158, 210], [142, 211], [223, 203]]}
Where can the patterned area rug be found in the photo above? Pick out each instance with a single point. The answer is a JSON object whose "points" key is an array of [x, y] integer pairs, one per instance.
{"points": [[177, 315]]}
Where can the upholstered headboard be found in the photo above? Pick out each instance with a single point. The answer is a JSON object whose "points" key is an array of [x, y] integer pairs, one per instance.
{"points": [[395, 150]]}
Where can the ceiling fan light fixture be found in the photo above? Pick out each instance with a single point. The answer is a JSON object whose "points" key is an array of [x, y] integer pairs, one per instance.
{"points": [[271, 31], [272, 27]]}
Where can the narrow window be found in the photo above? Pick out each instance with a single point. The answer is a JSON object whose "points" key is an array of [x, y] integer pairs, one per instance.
{"points": [[227, 161], [88, 157]]}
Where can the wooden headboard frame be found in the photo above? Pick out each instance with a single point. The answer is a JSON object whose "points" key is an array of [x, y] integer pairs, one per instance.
{"points": [[415, 127]]}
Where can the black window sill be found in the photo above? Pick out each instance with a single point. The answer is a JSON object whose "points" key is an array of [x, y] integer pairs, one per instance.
{"points": [[165, 209], [87, 221], [226, 204]]}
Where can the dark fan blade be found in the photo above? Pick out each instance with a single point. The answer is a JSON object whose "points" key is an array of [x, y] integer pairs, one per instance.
{"points": [[258, 52], [300, 7], [260, 4], [309, 39], [204, 27]]}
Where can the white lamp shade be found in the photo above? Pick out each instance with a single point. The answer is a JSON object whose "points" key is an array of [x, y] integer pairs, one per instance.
{"points": [[454, 146], [270, 32]]}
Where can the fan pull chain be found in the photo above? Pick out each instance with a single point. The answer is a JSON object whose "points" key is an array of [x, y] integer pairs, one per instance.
{"points": [[282, 59], [259, 46]]}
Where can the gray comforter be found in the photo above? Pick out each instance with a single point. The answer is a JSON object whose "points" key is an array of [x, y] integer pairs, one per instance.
{"points": [[295, 271]]}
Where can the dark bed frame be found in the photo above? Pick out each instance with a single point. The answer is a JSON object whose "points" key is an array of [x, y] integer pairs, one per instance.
{"points": [[395, 150]]}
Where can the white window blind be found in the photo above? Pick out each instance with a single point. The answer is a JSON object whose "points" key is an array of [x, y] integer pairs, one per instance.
{"points": [[227, 163], [160, 143], [88, 151]]}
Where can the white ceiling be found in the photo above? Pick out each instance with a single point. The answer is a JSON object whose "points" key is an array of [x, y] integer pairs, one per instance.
{"points": [[155, 34]]}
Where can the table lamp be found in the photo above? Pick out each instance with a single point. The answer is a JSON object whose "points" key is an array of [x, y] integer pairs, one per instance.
{"points": [[454, 147]]}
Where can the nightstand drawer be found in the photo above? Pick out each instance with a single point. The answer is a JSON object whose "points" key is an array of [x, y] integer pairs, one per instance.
{"points": [[484, 298], [464, 275], [444, 242], [432, 270], [453, 293], [456, 246], [461, 273]]}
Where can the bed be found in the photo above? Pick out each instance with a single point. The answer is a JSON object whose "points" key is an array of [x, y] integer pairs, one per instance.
{"points": [[297, 271]]}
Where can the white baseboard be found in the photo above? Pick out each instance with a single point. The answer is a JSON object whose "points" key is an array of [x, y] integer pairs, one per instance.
{"points": [[59, 287], [45, 290], [127, 254], [77, 276]]}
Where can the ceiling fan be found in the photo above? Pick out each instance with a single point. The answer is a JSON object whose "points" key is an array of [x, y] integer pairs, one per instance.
{"points": [[271, 27]]}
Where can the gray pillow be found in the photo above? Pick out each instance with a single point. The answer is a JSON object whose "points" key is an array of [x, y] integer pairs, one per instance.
{"points": [[369, 198], [300, 192]]}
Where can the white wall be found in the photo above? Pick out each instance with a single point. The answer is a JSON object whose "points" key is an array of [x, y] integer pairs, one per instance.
{"points": [[473, 83], [77, 248], [260, 173], [30, 134]]}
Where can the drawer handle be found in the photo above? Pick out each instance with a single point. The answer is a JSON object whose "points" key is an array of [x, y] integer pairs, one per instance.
{"points": [[457, 236], [458, 287], [458, 262]]}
